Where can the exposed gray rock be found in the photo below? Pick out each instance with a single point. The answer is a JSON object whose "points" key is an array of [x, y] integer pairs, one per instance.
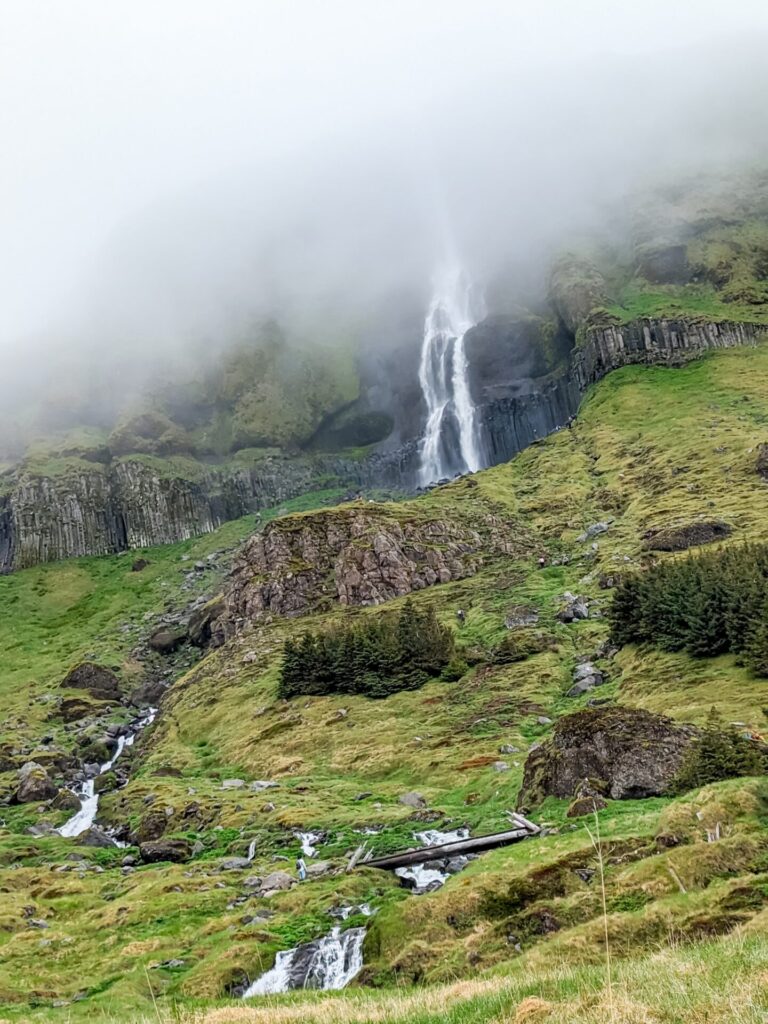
{"points": [[234, 864], [94, 836], [34, 785], [277, 881], [415, 800]]}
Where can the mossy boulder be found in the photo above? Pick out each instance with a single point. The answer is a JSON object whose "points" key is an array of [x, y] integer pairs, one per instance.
{"points": [[682, 536], [34, 784], [630, 752], [99, 681], [175, 850]]}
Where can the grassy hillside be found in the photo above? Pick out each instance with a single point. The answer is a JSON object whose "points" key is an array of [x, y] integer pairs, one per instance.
{"points": [[685, 924]]}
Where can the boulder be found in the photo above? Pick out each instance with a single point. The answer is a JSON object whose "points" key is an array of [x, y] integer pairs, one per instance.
{"points": [[74, 709], [34, 785], [176, 850], [66, 800], [573, 608], [140, 564], [686, 535], [631, 752], [94, 836], [415, 800], [234, 864], [277, 881], [200, 627], [150, 693], [315, 868], [593, 531], [98, 680], [761, 463], [166, 641]]}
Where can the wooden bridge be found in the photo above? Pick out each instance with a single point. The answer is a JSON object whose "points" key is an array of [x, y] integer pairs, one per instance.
{"points": [[523, 829]]}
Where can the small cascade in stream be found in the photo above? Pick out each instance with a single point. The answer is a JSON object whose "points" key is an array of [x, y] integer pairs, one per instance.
{"points": [[430, 875], [330, 962], [451, 443], [251, 850], [308, 841], [89, 798]]}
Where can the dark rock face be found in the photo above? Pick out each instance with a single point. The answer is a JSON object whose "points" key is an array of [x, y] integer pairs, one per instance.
{"points": [[626, 752], [656, 342], [761, 463], [200, 627], [355, 556], [99, 681], [130, 503], [176, 850], [166, 641], [515, 415], [688, 535]]}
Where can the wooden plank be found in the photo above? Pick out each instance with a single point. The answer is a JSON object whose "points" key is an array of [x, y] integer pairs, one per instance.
{"points": [[427, 853]]}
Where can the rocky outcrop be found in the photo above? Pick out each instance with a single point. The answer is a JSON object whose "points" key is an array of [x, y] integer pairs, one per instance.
{"points": [[655, 342], [356, 555], [626, 753]]}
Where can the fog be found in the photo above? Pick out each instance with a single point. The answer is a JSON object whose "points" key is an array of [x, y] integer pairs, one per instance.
{"points": [[171, 170]]}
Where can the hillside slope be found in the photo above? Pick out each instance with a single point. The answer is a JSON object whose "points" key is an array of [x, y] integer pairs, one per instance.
{"points": [[652, 448]]}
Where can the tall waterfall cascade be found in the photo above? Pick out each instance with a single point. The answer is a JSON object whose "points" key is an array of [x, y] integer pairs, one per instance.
{"points": [[451, 438]]}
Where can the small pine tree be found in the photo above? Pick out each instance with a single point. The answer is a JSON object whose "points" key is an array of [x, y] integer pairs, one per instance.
{"points": [[755, 646], [718, 753]]}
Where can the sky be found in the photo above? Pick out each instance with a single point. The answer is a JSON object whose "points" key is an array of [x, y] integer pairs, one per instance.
{"points": [[170, 165]]}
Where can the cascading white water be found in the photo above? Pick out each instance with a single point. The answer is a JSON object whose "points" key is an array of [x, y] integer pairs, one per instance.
{"points": [[426, 874], [89, 799], [451, 442], [327, 963], [308, 841]]}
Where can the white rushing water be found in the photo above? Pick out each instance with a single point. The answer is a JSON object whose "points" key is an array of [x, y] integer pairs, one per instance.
{"points": [[327, 963], [424, 875], [308, 841], [451, 443], [89, 799]]}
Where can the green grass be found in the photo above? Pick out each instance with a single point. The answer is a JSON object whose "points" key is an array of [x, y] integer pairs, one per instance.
{"points": [[651, 446]]}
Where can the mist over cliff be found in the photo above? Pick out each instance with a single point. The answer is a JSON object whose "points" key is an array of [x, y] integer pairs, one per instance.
{"points": [[173, 177]]}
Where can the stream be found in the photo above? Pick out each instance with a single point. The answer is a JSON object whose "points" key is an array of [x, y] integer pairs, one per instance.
{"points": [[330, 962], [89, 799], [427, 877]]}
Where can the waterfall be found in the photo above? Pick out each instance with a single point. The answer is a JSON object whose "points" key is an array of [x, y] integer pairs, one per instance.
{"points": [[327, 963], [89, 798], [451, 443]]}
